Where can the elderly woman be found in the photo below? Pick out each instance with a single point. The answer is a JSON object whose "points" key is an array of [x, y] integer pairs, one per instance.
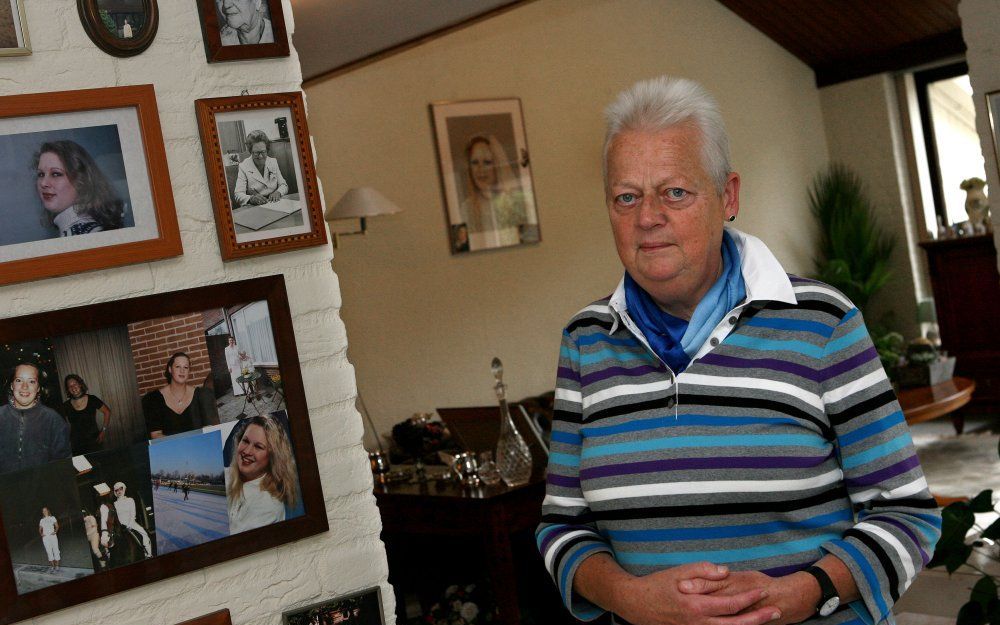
{"points": [[243, 22], [259, 180], [726, 447]]}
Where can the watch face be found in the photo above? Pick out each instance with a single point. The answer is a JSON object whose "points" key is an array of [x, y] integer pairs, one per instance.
{"points": [[829, 606]]}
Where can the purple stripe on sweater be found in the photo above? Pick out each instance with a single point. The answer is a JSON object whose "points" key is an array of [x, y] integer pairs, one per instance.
{"points": [[723, 462], [568, 374], [884, 474], [784, 366], [544, 547], [846, 365], [610, 372], [906, 530], [563, 480], [788, 569]]}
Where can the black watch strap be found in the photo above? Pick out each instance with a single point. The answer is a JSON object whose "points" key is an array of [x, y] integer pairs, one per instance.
{"points": [[827, 591]]}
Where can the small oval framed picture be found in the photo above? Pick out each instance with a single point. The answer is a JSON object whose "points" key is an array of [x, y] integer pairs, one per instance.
{"points": [[238, 30], [119, 27]]}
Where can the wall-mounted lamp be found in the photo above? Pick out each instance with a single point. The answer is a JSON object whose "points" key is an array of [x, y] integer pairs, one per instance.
{"points": [[359, 203]]}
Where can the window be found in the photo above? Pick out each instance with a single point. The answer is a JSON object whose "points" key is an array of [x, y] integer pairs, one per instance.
{"points": [[948, 118]]}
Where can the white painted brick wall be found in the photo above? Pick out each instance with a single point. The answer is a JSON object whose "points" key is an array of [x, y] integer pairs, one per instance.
{"points": [[256, 588]]}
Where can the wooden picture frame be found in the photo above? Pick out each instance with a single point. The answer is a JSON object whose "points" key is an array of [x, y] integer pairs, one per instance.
{"points": [[118, 128], [225, 38], [129, 37], [483, 157], [248, 223], [14, 40], [220, 617], [22, 596], [363, 608]]}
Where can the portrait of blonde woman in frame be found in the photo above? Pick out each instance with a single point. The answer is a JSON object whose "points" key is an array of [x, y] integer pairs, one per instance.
{"points": [[486, 174]]}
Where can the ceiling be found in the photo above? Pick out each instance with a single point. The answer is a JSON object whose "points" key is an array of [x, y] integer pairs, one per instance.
{"points": [[839, 39]]}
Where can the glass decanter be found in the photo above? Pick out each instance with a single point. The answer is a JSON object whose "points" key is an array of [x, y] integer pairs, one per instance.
{"points": [[513, 458]]}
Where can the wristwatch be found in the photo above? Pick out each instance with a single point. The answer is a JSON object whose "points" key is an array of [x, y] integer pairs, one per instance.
{"points": [[829, 600]]}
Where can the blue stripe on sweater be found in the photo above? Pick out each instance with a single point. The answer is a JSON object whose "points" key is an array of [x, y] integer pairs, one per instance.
{"points": [[887, 422], [567, 437], [870, 577], [566, 460], [689, 442], [879, 451], [801, 347], [673, 558], [598, 356], [793, 325], [600, 337], [729, 531]]}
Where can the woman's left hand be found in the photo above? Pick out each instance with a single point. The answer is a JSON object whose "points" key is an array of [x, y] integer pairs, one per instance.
{"points": [[100, 438], [274, 197], [794, 595]]}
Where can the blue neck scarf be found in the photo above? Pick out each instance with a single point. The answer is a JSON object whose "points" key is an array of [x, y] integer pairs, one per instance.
{"points": [[673, 339]]}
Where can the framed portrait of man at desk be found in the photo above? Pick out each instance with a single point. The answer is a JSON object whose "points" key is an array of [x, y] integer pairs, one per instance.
{"points": [[258, 158]]}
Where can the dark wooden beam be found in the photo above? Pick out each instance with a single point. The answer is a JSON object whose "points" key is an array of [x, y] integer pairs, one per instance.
{"points": [[906, 56]]}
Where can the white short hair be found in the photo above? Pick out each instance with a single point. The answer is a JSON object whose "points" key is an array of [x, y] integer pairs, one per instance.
{"points": [[664, 102]]}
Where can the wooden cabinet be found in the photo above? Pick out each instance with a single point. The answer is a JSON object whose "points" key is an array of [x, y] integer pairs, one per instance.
{"points": [[966, 287]]}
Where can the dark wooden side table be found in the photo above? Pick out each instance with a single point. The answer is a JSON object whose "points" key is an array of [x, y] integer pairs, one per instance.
{"points": [[924, 403], [442, 510]]}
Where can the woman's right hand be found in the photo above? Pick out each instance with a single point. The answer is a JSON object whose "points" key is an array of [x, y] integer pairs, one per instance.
{"points": [[257, 199]]}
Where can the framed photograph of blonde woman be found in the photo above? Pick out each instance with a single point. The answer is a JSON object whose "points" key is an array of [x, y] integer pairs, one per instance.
{"points": [[86, 183], [485, 174]]}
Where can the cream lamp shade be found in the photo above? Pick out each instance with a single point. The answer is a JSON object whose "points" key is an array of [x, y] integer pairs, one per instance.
{"points": [[359, 203]]}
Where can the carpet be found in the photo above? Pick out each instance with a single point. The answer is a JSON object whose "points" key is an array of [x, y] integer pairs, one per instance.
{"points": [[958, 465]]}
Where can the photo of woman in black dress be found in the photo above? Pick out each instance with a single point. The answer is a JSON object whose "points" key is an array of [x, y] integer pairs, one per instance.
{"points": [[178, 407], [81, 411]]}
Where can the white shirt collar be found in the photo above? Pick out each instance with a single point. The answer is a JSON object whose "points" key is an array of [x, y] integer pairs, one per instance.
{"points": [[763, 276], [65, 219]]}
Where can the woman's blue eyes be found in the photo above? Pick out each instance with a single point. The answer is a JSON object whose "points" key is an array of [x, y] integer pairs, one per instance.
{"points": [[673, 193]]}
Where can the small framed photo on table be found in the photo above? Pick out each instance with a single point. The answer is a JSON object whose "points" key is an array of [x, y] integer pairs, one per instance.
{"points": [[486, 174], [86, 183], [13, 29], [258, 156], [239, 30]]}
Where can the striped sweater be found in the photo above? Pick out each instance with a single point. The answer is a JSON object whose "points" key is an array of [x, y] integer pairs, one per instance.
{"points": [[780, 443]]}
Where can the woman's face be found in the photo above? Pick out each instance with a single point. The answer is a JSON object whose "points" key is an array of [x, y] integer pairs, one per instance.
{"points": [[74, 388], [482, 166], [180, 369], [25, 386], [259, 153], [53, 184], [252, 455]]}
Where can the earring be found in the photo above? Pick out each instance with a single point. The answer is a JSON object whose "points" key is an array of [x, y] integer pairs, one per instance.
{"points": [[732, 218]]}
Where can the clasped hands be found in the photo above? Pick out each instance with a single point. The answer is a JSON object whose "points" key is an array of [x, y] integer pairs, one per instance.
{"points": [[705, 593]]}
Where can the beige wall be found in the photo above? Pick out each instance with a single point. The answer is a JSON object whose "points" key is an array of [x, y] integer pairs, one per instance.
{"points": [[863, 131], [424, 324]]}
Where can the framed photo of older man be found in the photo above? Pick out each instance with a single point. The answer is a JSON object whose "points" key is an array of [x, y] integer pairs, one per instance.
{"points": [[258, 157], [13, 29], [238, 30], [485, 174]]}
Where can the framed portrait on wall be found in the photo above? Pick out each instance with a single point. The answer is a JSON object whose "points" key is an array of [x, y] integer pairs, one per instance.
{"points": [[86, 183], [13, 29], [486, 174], [239, 30], [169, 433], [121, 28], [258, 155]]}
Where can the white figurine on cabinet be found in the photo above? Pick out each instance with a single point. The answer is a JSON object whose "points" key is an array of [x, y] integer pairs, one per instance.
{"points": [[977, 206]]}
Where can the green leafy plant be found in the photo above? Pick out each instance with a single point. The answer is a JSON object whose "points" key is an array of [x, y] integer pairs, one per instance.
{"points": [[854, 251], [953, 550]]}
